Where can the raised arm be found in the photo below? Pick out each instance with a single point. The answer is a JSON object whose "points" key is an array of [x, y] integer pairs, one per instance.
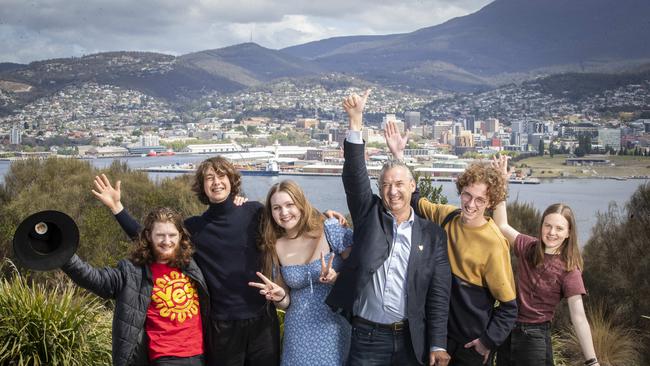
{"points": [[111, 197], [395, 141], [500, 214], [357, 187]]}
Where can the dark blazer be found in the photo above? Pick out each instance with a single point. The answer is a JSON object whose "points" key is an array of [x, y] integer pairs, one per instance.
{"points": [[428, 274]]}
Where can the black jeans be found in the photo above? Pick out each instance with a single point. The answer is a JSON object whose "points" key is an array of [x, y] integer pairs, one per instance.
{"points": [[247, 342], [179, 361], [461, 356], [528, 344], [377, 346]]}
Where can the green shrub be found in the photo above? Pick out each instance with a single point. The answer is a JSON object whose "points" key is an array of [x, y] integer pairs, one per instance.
{"points": [[429, 191], [58, 326], [617, 262], [524, 217], [65, 184]]}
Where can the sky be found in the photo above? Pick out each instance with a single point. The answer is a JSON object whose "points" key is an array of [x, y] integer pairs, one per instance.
{"points": [[45, 29]]}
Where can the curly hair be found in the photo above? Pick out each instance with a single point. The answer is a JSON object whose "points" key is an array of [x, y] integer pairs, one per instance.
{"points": [[143, 253], [311, 221], [220, 165], [483, 173]]}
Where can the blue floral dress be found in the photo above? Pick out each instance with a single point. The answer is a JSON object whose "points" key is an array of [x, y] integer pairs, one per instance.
{"points": [[313, 334]]}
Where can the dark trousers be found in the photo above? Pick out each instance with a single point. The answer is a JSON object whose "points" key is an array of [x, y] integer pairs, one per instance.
{"points": [[247, 342], [376, 345], [461, 356], [529, 345], [179, 361]]}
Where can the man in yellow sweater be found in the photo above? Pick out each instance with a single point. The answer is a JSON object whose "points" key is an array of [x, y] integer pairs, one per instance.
{"points": [[479, 257]]}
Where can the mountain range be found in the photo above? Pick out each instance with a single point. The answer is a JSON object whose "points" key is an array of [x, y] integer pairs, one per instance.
{"points": [[505, 41]]}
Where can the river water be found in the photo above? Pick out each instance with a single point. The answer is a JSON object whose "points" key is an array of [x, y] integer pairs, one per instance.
{"points": [[587, 197]]}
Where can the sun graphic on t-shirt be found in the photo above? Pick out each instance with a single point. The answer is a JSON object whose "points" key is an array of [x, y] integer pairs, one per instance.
{"points": [[175, 297]]}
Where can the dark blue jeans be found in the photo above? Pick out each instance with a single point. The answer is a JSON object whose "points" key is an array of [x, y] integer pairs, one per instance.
{"points": [[373, 345], [179, 361], [461, 356], [528, 344]]}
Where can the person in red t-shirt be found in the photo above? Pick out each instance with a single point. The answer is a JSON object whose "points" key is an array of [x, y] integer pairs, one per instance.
{"points": [[161, 296], [547, 271]]}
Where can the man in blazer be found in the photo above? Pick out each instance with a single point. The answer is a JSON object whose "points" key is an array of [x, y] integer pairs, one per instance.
{"points": [[397, 279]]}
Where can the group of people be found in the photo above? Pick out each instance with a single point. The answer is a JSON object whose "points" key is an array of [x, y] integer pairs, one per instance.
{"points": [[415, 283]]}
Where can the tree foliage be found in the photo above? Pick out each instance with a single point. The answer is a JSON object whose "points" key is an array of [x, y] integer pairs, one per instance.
{"points": [[430, 191], [65, 184], [617, 262]]}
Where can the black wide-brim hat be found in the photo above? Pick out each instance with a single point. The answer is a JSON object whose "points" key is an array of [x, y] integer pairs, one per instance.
{"points": [[49, 246]]}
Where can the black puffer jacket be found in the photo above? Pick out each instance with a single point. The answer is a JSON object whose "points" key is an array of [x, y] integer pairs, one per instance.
{"points": [[131, 287]]}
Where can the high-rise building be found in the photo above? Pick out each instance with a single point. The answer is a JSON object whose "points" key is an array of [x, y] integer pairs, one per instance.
{"points": [[470, 124], [16, 135], [149, 140], [439, 127], [610, 137], [412, 119], [491, 125], [391, 117]]}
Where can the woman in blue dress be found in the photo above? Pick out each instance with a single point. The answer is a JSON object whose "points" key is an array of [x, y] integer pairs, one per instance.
{"points": [[302, 251]]}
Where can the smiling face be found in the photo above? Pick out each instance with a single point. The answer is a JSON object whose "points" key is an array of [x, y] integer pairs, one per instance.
{"points": [[555, 230], [286, 213], [216, 185], [397, 186], [164, 238], [474, 202]]}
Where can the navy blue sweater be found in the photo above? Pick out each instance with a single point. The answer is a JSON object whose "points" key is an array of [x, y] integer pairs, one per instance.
{"points": [[225, 239]]}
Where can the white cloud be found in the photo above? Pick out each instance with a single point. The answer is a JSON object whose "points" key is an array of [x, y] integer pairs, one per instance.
{"points": [[36, 30]]}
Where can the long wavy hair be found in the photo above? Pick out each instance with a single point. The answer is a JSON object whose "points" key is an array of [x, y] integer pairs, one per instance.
{"points": [[143, 252], [569, 249], [310, 223], [220, 165]]}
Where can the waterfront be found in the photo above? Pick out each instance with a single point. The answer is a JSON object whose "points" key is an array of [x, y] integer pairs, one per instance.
{"points": [[585, 196]]}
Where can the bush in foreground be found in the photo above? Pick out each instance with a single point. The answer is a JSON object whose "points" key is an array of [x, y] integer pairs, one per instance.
{"points": [[57, 326], [615, 344]]}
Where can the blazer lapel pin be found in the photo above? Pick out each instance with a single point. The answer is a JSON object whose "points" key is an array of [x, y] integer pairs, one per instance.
{"points": [[421, 247]]}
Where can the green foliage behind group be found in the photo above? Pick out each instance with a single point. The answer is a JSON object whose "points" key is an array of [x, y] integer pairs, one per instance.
{"points": [[65, 185], [617, 264]]}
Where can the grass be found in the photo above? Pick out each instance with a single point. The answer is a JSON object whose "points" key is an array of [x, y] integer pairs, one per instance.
{"points": [[615, 344], [623, 166]]}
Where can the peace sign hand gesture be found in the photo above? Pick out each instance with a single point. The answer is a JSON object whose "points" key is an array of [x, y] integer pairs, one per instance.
{"points": [[269, 289], [327, 273]]}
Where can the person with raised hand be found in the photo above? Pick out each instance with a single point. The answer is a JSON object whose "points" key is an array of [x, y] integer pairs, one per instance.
{"points": [[161, 297], [302, 252], [244, 327], [479, 259], [395, 284], [549, 269]]}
